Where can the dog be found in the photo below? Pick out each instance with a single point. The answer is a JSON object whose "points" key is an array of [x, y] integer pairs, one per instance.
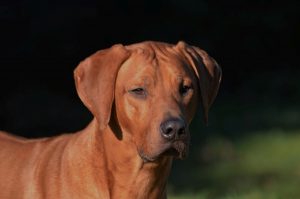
{"points": [[143, 97]]}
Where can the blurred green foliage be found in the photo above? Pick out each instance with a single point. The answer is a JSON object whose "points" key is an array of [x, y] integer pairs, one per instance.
{"points": [[259, 166]]}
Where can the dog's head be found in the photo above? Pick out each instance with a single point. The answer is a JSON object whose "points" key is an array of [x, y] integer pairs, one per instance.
{"points": [[151, 90]]}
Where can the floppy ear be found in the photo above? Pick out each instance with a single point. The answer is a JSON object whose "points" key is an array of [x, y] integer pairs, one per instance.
{"points": [[95, 79], [208, 72]]}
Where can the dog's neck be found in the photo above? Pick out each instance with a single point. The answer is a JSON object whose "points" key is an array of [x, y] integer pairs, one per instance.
{"points": [[123, 173]]}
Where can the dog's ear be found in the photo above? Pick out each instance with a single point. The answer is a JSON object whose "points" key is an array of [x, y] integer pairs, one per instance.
{"points": [[208, 72], [95, 79]]}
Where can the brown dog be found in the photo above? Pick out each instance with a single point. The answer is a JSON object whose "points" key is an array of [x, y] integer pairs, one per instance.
{"points": [[143, 97]]}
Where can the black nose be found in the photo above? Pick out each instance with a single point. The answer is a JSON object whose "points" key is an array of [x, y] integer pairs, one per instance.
{"points": [[172, 129]]}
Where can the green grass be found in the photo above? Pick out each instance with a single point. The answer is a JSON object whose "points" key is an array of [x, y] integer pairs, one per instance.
{"points": [[261, 165]]}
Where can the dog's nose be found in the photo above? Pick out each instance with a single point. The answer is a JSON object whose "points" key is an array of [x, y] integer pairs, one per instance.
{"points": [[172, 129]]}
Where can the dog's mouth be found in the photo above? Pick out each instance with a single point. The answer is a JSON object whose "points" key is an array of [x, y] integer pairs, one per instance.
{"points": [[177, 149]]}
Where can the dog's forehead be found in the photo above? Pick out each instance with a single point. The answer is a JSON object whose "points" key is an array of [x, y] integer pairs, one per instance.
{"points": [[156, 55], [150, 45]]}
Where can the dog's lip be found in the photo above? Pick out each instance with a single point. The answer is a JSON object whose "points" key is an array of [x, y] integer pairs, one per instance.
{"points": [[171, 152], [177, 148]]}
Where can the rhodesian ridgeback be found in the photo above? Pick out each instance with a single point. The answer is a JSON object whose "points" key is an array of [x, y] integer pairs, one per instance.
{"points": [[143, 97]]}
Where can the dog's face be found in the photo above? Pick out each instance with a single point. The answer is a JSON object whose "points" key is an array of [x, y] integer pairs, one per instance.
{"points": [[156, 96], [155, 88]]}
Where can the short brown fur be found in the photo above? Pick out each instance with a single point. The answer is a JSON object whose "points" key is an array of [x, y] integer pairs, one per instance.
{"points": [[130, 90]]}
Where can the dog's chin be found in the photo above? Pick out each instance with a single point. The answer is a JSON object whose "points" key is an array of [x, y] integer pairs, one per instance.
{"points": [[177, 149]]}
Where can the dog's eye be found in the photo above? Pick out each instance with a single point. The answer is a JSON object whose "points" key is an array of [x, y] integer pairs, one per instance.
{"points": [[184, 89], [138, 91]]}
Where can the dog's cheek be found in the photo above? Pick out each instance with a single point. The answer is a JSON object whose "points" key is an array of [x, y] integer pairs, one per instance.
{"points": [[136, 118], [129, 115], [130, 110], [122, 112], [144, 129]]}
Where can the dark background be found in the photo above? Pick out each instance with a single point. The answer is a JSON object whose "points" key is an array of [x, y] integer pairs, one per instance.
{"points": [[255, 41]]}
